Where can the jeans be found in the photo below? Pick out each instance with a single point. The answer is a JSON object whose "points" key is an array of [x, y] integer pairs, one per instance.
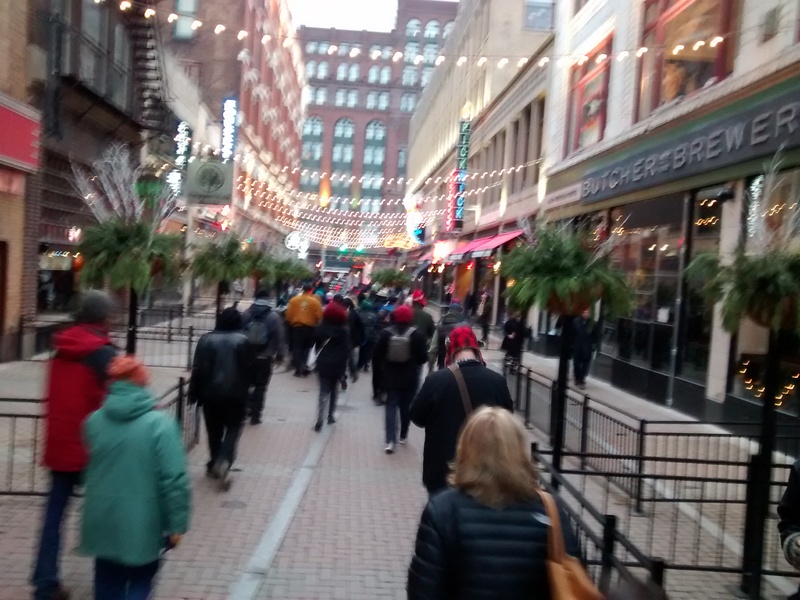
{"points": [[113, 581], [302, 341], [580, 364], [45, 574], [223, 425], [258, 393], [398, 399], [328, 390]]}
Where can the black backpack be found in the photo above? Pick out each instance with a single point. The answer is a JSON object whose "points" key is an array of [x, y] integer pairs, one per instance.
{"points": [[257, 332], [370, 322]]}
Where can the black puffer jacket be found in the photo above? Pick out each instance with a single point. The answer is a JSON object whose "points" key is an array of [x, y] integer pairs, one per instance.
{"points": [[223, 368], [333, 344], [468, 551]]}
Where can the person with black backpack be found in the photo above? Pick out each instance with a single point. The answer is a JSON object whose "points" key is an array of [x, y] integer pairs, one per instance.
{"points": [[264, 330], [369, 325], [400, 351]]}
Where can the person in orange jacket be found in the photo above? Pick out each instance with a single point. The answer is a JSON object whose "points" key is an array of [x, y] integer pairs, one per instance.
{"points": [[303, 314]]}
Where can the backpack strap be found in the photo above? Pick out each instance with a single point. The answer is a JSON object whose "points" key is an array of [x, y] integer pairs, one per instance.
{"points": [[462, 388]]}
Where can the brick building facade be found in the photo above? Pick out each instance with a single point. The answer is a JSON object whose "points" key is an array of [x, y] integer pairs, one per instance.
{"points": [[360, 100]]}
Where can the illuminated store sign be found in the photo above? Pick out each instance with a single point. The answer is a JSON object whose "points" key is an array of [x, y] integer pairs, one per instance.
{"points": [[454, 220], [183, 146], [230, 109]]}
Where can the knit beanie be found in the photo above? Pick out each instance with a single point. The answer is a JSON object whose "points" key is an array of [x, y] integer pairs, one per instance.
{"points": [[335, 314], [402, 315], [128, 368], [94, 307], [463, 338], [229, 319]]}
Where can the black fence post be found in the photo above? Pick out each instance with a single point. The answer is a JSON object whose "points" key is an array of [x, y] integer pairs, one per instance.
{"points": [[607, 563], [748, 559], [169, 328], [528, 400], [584, 430], [657, 569], [518, 386], [640, 464], [189, 349], [553, 411], [21, 338], [180, 410]]}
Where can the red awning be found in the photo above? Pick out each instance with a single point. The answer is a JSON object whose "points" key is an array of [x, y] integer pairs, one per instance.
{"points": [[425, 257], [489, 244], [468, 247]]}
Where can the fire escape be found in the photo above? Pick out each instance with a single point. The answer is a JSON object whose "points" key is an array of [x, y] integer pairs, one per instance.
{"points": [[148, 70]]}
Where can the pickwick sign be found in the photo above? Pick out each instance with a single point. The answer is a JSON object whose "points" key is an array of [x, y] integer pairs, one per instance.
{"points": [[760, 129]]}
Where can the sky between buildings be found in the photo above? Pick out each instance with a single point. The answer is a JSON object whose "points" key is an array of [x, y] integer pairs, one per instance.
{"points": [[373, 15]]}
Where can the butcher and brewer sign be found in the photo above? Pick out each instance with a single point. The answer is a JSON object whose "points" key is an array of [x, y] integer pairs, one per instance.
{"points": [[758, 130]]}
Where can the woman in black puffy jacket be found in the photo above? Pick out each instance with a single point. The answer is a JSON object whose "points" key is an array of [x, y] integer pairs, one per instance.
{"points": [[487, 537], [332, 341]]}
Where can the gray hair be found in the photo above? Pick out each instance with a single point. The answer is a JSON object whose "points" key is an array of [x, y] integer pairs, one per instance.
{"points": [[94, 306]]}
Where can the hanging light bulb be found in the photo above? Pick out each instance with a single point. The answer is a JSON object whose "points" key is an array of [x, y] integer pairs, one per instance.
{"points": [[196, 25], [439, 60], [502, 63], [622, 55], [241, 35], [716, 41], [266, 38], [149, 13], [397, 56], [461, 61], [125, 5], [219, 29], [641, 52], [482, 61], [544, 60]]}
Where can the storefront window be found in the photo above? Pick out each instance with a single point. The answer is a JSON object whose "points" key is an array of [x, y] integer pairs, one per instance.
{"points": [[683, 49], [588, 98], [649, 253], [774, 198]]}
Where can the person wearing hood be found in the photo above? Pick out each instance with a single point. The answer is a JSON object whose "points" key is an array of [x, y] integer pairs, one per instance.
{"points": [[440, 408], [369, 326], [222, 373], [423, 320], [455, 317], [264, 330], [76, 385], [332, 343], [400, 352], [137, 491]]}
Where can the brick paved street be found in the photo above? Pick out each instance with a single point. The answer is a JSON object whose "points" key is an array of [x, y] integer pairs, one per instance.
{"points": [[353, 529]]}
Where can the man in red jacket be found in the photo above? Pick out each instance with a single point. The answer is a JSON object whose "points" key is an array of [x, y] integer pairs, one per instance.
{"points": [[76, 387]]}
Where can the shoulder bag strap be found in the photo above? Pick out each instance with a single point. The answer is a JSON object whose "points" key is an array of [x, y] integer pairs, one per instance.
{"points": [[462, 388], [555, 537]]}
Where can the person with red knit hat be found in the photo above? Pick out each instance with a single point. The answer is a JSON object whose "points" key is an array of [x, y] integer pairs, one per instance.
{"points": [[333, 345], [441, 407], [399, 353]]}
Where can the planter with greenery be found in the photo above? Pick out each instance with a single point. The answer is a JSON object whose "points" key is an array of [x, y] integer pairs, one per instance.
{"points": [[221, 261], [289, 270], [125, 249], [565, 272], [391, 278]]}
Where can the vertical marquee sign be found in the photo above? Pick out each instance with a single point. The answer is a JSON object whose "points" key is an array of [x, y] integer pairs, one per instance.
{"points": [[230, 110], [458, 184]]}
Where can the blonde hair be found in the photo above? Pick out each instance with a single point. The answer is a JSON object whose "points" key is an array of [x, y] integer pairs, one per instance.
{"points": [[492, 461]]}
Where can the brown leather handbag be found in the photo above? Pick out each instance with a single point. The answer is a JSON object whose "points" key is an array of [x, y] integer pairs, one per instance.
{"points": [[568, 579]]}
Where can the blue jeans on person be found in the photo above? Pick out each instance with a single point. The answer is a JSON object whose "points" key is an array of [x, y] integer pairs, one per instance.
{"points": [[45, 574], [398, 400], [113, 581]]}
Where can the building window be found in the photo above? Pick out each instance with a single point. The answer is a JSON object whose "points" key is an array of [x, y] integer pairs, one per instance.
{"points": [[684, 53], [312, 152], [413, 28], [430, 52], [374, 50], [376, 130], [311, 48], [427, 73], [539, 15], [341, 97], [408, 102], [352, 98], [432, 30], [354, 72], [448, 29], [588, 98], [372, 100], [402, 157], [411, 52], [388, 51], [344, 49], [312, 127], [344, 129], [374, 155], [322, 70], [374, 74], [183, 26], [383, 101], [311, 69], [342, 153], [341, 72], [321, 96], [409, 76], [386, 75], [323, 47], [579, 4]]}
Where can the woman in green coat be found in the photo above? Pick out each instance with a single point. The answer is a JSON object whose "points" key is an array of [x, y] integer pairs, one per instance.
{"points": [[137, 491]]}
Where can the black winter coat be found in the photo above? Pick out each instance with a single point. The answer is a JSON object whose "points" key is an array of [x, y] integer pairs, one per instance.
{"points": [[223, 368], [468, 551], [332, 359], [399, 376], [789, 506], [439, 410]]}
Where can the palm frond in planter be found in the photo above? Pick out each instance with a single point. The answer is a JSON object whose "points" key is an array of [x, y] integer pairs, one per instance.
{"points": [[220, 261], [391, 277]]}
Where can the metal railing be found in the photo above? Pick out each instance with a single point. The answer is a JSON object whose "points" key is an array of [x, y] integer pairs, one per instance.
{"points": [[22, 438]]}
